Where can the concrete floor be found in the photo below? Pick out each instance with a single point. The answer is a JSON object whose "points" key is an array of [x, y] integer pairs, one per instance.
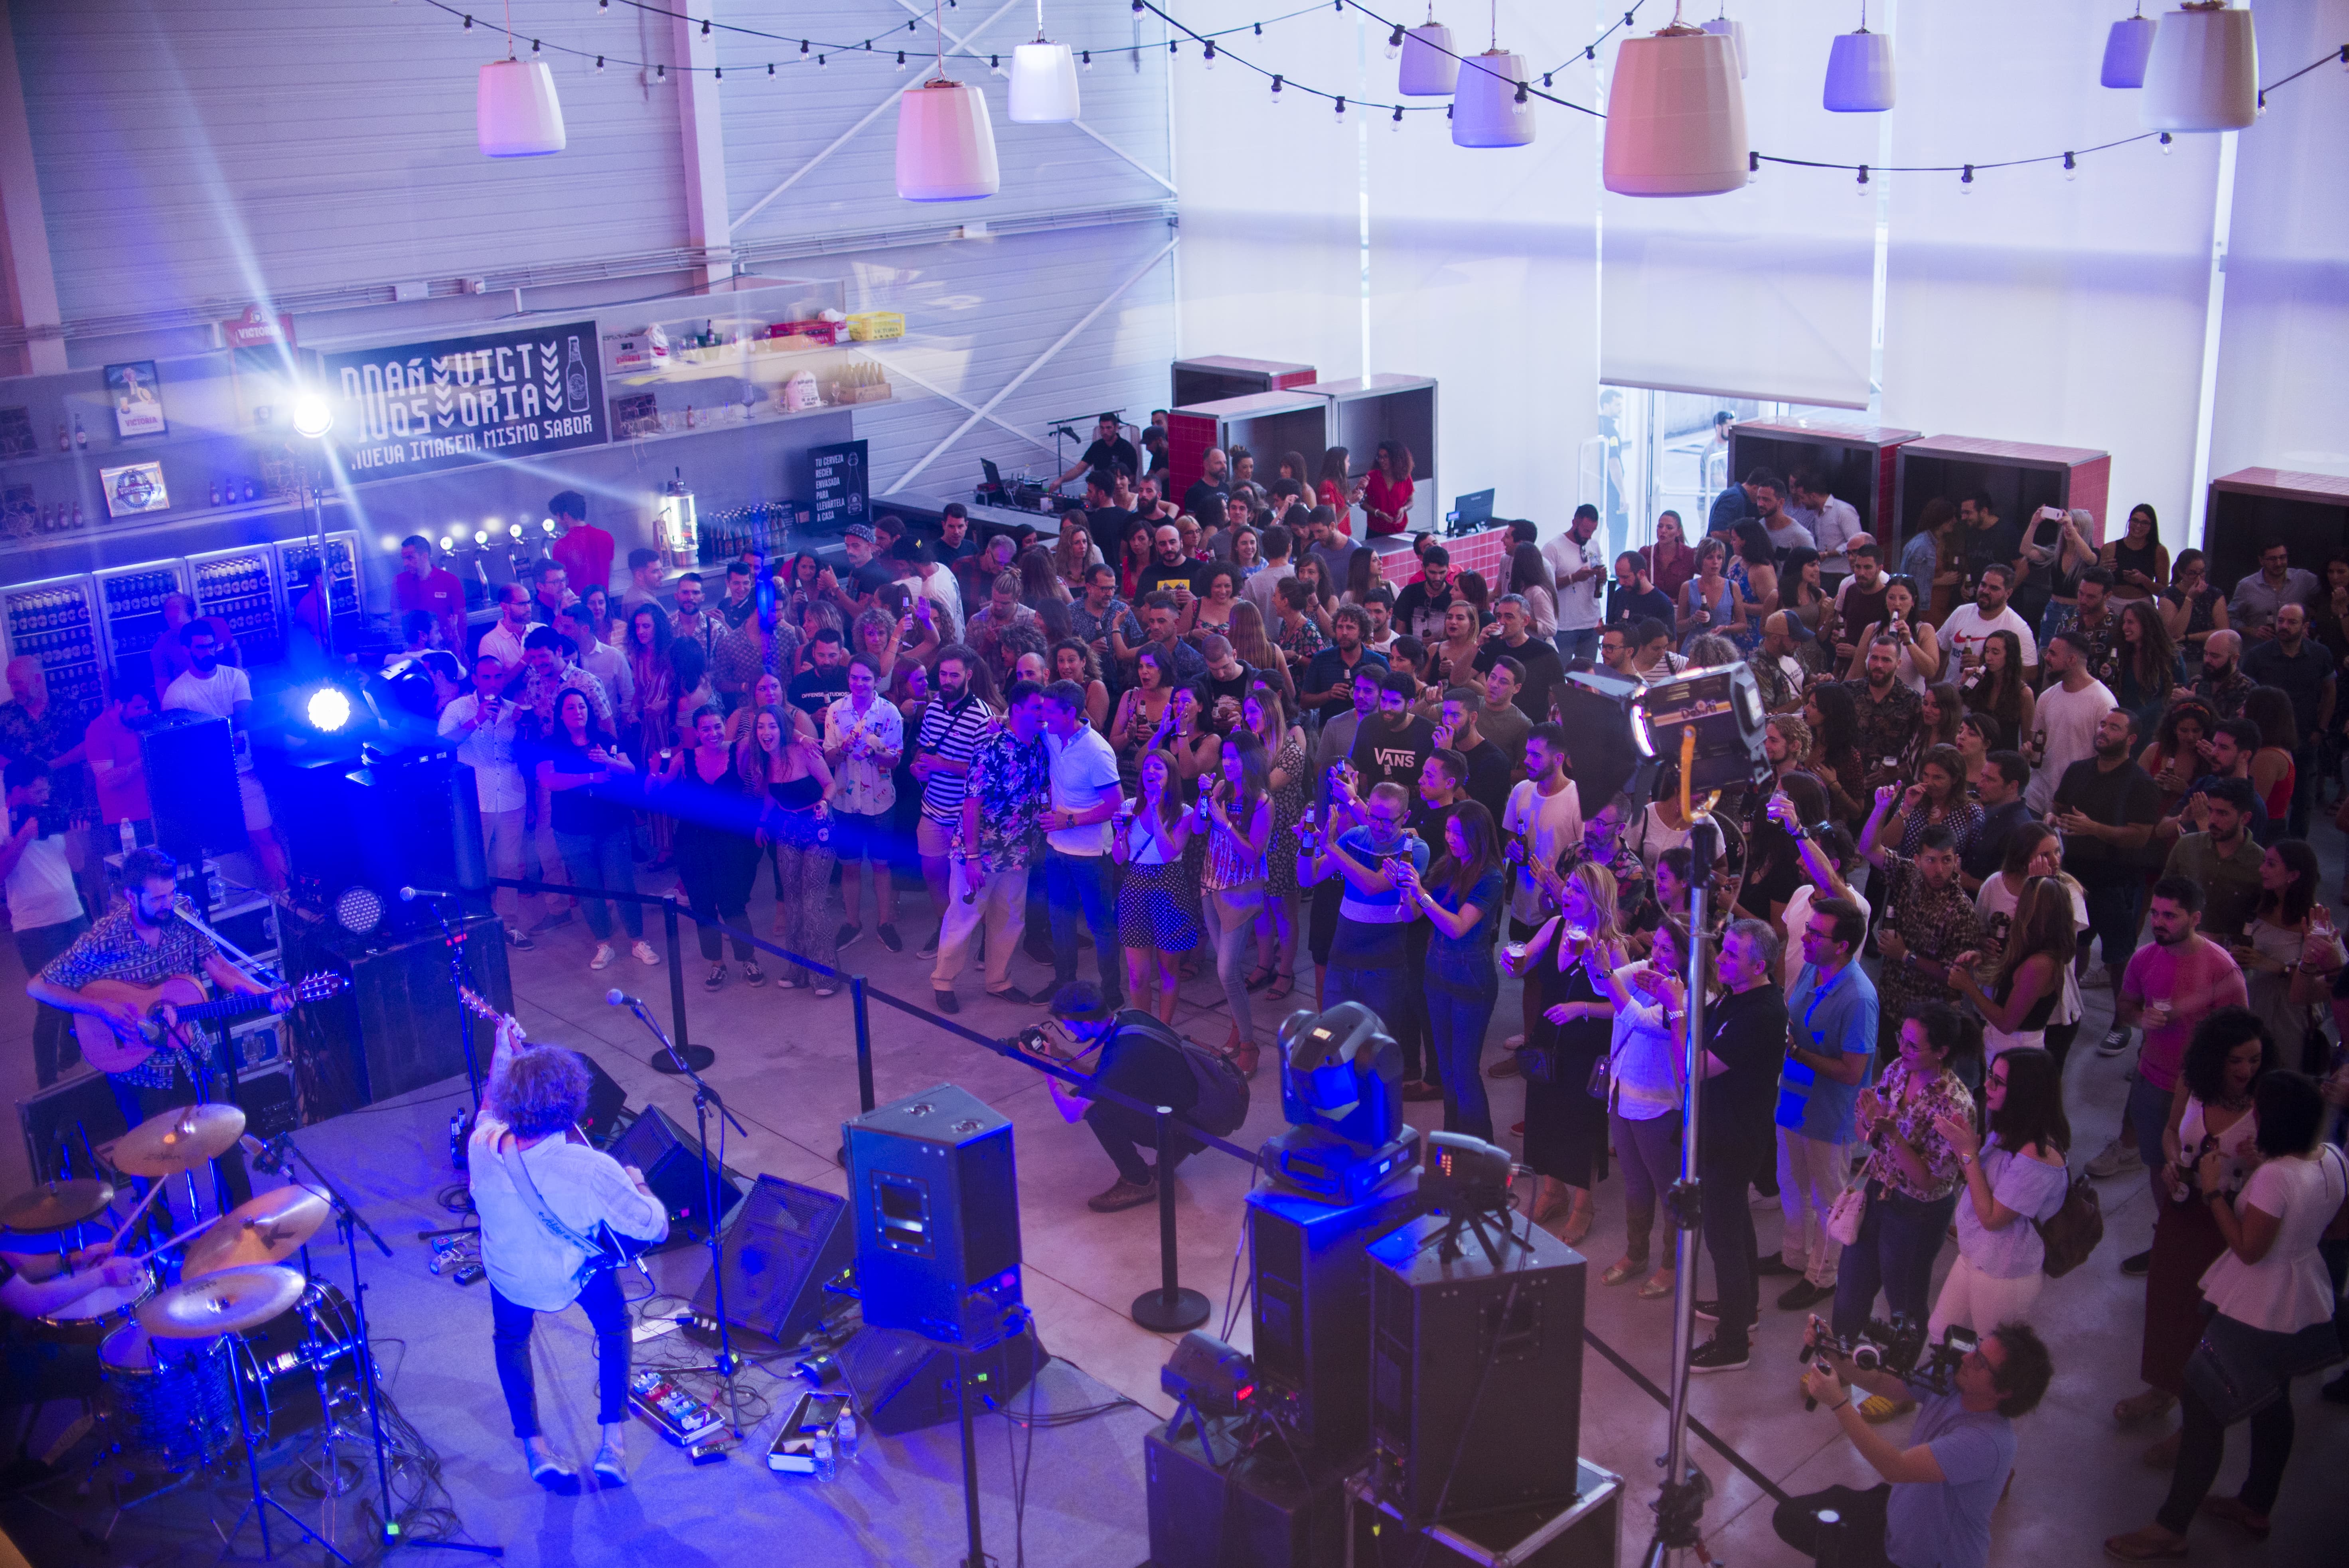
{"points": [[786, 1063]]}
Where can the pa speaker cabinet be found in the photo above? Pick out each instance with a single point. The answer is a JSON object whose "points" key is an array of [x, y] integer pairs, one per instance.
{"points": [[902, 1383], [786, 1243], [1475, 1372], [1253, 1510], [192, 783], [65, 1123], [397, 1028], [1584, 1534], [1311, 1312], [937, 1216], [669, 1157]]}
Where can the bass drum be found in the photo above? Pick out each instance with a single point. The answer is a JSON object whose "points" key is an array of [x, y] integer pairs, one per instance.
{"points": [[96, 1317], [170, 1400], [282, 1361]]}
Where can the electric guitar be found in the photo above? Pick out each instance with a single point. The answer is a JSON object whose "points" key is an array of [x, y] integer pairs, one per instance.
{"points": [[606, 1248], [114, 1047]]}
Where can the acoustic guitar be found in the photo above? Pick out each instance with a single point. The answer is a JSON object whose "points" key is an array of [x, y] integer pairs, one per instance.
{"points": [[112, 1048]]}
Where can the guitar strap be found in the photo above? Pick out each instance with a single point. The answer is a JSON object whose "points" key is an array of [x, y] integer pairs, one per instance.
{"points": [[596, 1258]]}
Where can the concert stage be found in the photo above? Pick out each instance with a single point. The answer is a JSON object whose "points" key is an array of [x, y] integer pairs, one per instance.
{"points": [[899, 1501]]}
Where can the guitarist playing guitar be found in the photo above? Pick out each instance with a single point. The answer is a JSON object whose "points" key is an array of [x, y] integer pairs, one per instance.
{"points": [[145, 943], [545, 1195]]}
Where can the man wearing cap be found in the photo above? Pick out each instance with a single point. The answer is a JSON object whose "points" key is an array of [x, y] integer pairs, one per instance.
{"points": [[1140, 1059], [865, 575]]}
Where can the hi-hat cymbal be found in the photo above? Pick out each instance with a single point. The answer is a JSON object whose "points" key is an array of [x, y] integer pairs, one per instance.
{"points": [[227, 1303], [54, 1205], [267, 1229], [178, 1140]]}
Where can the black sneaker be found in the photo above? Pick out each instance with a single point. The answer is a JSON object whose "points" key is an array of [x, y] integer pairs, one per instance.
{"points": [[2136, 1265], [1713, 1355], [1014, 994], [844, 935], [1803, 1295], [889, 938], [944, 1001], [1709, 1312], [1775, 1265], [2115, 1041], [519, 940], [930, 944]]}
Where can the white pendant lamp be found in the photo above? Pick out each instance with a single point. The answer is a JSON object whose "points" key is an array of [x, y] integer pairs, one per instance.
{"points": [[1429, 69], [1044, 80], [2125, 49], [1488, 107], [516, 112], [945, 142], [1676, 117], [1734, 32], [1859, 71], [2203, 72]]}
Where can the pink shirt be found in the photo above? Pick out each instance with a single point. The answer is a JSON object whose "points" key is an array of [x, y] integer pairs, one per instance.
{"points": [[2196, 980]]}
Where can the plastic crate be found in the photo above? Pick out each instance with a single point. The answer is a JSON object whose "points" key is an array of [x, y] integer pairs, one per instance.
{"points": [[872, 325]]}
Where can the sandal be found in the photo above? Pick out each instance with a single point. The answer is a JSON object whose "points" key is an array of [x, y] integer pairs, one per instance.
{"points": [[2234, 1511], [1259, 978], [2150, 1544], [1620, 1270], [1660, 1284], [1579, 1222], [1245, 1057], [2139, 1409], [1283, 982]]}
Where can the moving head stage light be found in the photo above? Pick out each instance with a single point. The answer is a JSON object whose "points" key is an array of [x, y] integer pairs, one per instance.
{"points": [[1342, 1090], [1719, 708]]}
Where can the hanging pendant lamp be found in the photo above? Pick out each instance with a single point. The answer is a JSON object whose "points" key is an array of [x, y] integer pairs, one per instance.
{"points": [[1488, 108], [2125, 49], [1734, 31], [2203, 71], [945, 142], [515, 111], [1429, 69], [1859, 71], [1044, 80], [1676, 117]]}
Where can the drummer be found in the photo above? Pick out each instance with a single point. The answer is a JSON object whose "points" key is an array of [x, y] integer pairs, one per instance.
{"points": [[40, 1285]]}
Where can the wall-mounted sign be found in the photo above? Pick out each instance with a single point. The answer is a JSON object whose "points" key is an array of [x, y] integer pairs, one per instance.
{"points": [[837, 482], [134, 488], [418, 407], [137, 393], [254, 330], [17, 437]]}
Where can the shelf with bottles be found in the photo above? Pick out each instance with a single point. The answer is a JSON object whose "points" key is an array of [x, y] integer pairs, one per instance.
{"points": [[342, 569], [740, 321], [133, 599]]}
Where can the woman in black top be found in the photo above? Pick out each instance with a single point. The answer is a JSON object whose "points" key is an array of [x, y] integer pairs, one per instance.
{"points": [[2139, 561], [717, 811], [798, 825], [1567, 964], [577, 767]]}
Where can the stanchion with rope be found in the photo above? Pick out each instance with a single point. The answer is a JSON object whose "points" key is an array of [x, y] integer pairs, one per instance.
{"points": [[1169, 1309], [681, 1054]]}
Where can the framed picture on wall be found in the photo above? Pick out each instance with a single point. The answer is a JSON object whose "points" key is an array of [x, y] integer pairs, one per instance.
{"points": [[134, 488], [17, 438], [137, 393], [19, 512]]}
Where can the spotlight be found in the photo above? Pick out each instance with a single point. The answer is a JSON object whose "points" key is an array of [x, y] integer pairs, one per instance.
{"points": [[313, 415], [1209, 1376], [1460, 1174], [328, 709], [1721, 704], [359, 911]]}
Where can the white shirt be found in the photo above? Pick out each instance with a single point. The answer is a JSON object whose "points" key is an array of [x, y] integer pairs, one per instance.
{"points": [[41, 886], [503, 644], [1832, 526], [1263, 590], [1084, 770], [1577, 606], [1994, 906], [218, 695], [2068, 719], [1790, 535], [607, 665], [488, 750], [1798, 921], [1548, 823], [1966, 631], [939, 587], [2287, 1289], [860, 785], [583, 1187]]}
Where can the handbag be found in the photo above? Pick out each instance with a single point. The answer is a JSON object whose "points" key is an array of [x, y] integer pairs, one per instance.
{"points": [[1846, 1214], [2072, 1233], [2237, 1370]]}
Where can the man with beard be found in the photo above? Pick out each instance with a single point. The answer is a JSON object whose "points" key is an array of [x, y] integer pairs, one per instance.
{"points": [[2222, 684], [2302, 669], [2105, 807], [1577, 574], [2004, 776], [1928, 920], [1208, 494], [225, 692], [1859, 598], [1970, 625], [1326, 683], [1487, 779], [2222, 858], [951, 729], [2252, 610], [2064, 725], [1420, 608], [1500, 719], [1170, 570], [1888, 711], [1537, 658], [1160, 620], [503, 641], [693, 622]]}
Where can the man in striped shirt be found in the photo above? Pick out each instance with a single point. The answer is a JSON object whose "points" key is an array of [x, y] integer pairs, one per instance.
{"points": [[950, 732]]}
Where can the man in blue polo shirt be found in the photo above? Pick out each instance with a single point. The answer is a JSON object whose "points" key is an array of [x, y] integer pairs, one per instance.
{"points": [[1830, 1054]]}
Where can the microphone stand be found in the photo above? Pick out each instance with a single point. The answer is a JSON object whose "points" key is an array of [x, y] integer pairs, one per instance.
{"points": [[704, 1097], [460, 976], [349, 1222], [224, 1047]]}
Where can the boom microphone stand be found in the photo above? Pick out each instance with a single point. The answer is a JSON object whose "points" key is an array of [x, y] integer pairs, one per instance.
{"points": [[704, 1097], [460, 979]]}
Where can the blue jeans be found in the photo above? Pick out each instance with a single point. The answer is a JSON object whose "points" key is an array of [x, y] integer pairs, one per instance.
{"points": [[2148, 1113], [1461, 987], [1075, 885], [1899, 1240], [509, 1329], [1581, 645], [601, 861], [1381, 989]]}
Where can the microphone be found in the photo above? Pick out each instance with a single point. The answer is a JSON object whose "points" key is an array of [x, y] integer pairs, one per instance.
{"points": [[410, 894], [617, 999]]}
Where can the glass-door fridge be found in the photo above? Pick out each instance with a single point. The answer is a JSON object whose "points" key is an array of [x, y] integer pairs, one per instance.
{"points": [[131, 599], [53, 621], [239, 587]]}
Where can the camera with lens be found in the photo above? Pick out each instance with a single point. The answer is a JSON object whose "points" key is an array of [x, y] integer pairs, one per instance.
{"points": [[1899, 1347]]}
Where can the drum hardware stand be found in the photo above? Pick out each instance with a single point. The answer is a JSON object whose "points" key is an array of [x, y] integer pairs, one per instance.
{"points": [[224, 1046]]}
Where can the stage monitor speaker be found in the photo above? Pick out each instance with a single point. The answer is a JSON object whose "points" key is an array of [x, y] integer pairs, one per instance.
{"points": [[903, 1382], [1256, 1509], [1475, 1372], [937, 1216], [192, 783], [64, 1121], [606, 1102], [397, 1028], [785, 1244], [1311, 1312], [267, 1101], [1588, 1534], [668, 1156]]}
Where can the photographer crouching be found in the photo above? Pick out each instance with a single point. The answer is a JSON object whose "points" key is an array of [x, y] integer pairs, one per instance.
{"points": [[1933, 1509], [1141, 1058]]}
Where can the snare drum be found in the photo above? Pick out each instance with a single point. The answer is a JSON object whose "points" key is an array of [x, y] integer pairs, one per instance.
{"points": [[95, 1316], [173, 1400]]}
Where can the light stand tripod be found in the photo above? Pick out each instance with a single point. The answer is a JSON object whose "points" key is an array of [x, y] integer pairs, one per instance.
{"points": [[704, 1097]]}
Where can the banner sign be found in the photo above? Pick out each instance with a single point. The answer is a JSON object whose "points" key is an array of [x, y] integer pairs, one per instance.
{"points": [[837, 476], [415, 408]]}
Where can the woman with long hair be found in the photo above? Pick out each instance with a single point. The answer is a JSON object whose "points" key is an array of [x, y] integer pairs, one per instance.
{"points": [[1646, 1090], [717, 809], [1298, 636], [1247, 553], [803, 586], [1325, 599], [2192, 609], [766, 695], [1998, 689], [1255, 651], [1979, 735], [1155, 898], [1708, 603], [1920, 649], [2059, 562], [2144, 665], [1133, 563], [1937, 799], [1041, 590], [1143, 710], [2029, 983], [1197, 748], [1339, 487], [1386, 495], [1211, 611], [2289, 948], [2139, 561], [1461, 899], [648, 649], [2014, 1180], [1800, 592], [1937, 727], [1453, 661], [1671, 561], [1072, 554], [1364, 572], [1235, 815], [878, 635], [2275, 773], [1075, 661], [1292, 467], [789, 769], [2034, 852], [2174, 759], [1529, 578], [1832, 716], [1568, 963], [1753, 570], [588, 782], [1265, 716]]}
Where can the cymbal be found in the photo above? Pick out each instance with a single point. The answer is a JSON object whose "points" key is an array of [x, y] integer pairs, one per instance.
{"points": [[178, 1140], [54, 1205], [267, 1229], [227, 1303]]}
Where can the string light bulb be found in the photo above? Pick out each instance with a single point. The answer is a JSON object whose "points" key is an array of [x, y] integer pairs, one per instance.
{"points": [[1089, 59], [2167, 144], [1211, 53], [705, 26], [1753, 166], [1862, 186], [1398, 117], [1341, 108], [599, 65], [2071, 168], [901, 59], [534, 49], [660, 73], [1394, 41], [469, 24], [1966, 181], [1276, 91]]}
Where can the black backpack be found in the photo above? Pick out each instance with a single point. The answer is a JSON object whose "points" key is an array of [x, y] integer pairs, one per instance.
{"points": [[1223, 1099]]}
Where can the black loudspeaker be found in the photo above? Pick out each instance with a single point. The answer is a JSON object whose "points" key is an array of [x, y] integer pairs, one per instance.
{"points": [[605, 1098], [938, 1217], [64, 1121], [1311, 1312], [191, 783], [1588, 1535], [902, 1383], [412, 821], [785, 1244], [1475, 1373], [267, 1101], [1256, 1509], [397, 1027], [661, 1150]]}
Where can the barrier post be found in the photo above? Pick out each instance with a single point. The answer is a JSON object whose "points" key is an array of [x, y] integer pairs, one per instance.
{"points": [[695, 1057], [1169, 1309], [864, 1042]]}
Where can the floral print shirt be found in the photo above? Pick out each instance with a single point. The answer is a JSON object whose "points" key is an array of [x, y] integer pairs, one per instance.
{"points": [[1012, 782], [1911, 1114]]}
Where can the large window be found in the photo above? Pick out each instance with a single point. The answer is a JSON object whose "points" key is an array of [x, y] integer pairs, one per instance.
{"points": [[1656, 452]]}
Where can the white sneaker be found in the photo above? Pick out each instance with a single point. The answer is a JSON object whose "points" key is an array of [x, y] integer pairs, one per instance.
{"points": [[1515, 1042], [603, 958], [644, 954]]}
